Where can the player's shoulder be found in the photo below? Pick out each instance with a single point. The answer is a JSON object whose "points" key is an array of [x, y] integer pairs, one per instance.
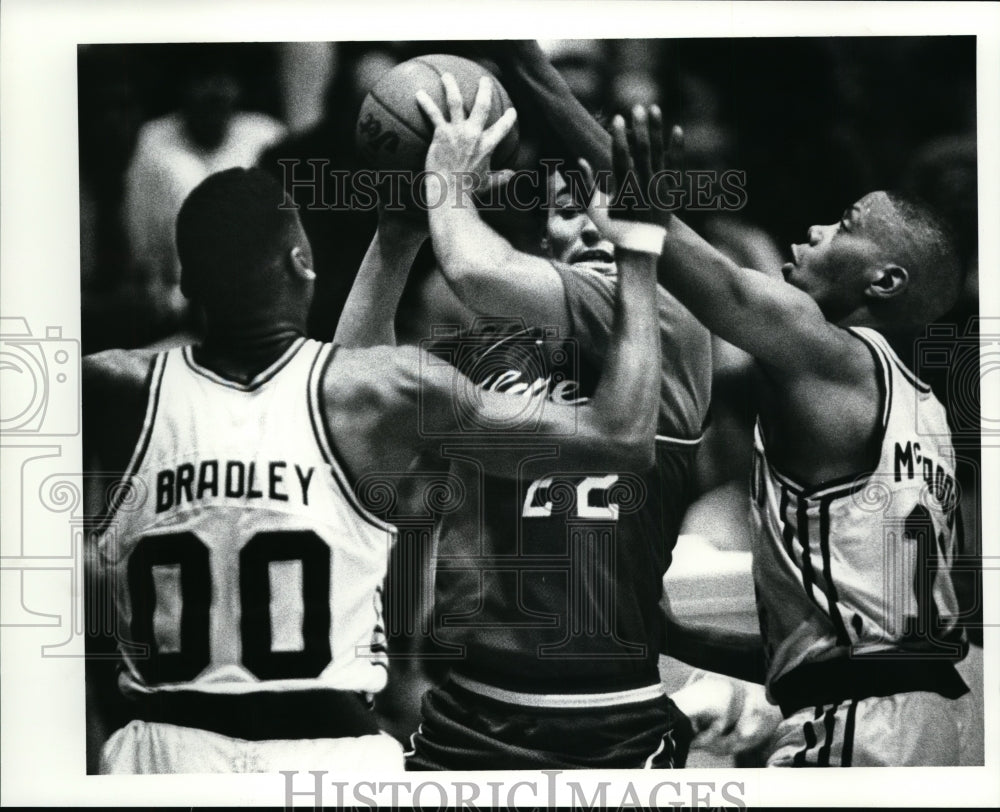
{"points": [[863, 351], [371, 374], [258, 126], [160, 133], [118, 370]]}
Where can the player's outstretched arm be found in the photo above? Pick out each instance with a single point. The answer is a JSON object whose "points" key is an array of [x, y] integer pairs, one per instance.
{"points": [[773, 321], [485, 271], [725, 651], [536, 85], [768, 318], [732, 652], [369, 315], [416, 401], [114, 386]]}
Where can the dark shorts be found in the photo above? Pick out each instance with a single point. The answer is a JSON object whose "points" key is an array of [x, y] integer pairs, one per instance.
{"points": [[463, 729]]}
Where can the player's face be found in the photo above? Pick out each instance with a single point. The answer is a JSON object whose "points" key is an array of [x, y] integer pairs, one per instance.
{"points": [[572, 237], [834, 264]]}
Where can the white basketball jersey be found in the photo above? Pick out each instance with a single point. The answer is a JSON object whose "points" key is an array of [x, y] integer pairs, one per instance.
{"points": [[861, 566], [244, 562]]}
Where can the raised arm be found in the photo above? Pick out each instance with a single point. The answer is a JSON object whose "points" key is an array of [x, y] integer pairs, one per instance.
{"points": [[768, 318], [486, 272], [369, 315], [534, 84], [615, 429]]}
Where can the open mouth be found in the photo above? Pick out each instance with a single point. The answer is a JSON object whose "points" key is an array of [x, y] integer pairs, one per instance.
{"points": [[788, 267], [600, 255]]}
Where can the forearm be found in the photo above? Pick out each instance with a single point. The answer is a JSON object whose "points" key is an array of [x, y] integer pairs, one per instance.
{"points": [[724, 651], [761, 316], [625, 403], [533, 82], [368, 318], [470, 254]]}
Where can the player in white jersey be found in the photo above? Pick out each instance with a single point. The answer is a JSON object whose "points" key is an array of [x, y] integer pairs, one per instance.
{"points": [[854, 503], [246, 575]]}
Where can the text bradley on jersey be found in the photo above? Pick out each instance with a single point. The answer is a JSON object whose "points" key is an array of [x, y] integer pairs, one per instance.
{"points": [[239, 480]]}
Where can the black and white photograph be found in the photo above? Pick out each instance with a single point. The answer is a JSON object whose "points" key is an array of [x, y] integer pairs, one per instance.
{"points": [[407, 407]]}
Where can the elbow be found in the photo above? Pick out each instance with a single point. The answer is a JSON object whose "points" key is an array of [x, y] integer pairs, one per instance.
{"points": [[642, 455], [629, 451], [472, 268]]}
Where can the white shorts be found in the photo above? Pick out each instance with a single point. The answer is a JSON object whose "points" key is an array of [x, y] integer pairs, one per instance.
{"points": [[155, 747], [911, 729]]}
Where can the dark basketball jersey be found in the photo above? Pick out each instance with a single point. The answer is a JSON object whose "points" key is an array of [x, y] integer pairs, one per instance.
{"points": [[550, 582]]}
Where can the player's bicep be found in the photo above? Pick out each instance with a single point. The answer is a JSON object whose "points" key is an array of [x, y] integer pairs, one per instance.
{"points": [[513, 283], [783, 327], [115, 392], [449, 406]]}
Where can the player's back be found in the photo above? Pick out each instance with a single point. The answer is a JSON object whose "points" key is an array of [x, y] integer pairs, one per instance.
{"points": [[241, 563]]}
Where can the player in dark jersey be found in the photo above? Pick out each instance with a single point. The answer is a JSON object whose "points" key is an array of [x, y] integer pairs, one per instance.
{"points": [[209, 688], [548, 584]]}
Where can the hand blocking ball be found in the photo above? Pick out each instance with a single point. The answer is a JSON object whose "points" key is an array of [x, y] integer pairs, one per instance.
{"points": [[392, 131]]}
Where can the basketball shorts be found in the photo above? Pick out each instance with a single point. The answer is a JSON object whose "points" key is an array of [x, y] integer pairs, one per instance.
{"points": [[910, 729], [190, 731], [154, 747], [467, 725]]}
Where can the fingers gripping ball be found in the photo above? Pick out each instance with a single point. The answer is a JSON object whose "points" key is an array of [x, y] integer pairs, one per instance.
{"points": [[393, 133]]}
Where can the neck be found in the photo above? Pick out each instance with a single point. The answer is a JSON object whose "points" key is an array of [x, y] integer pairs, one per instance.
{"points": [[901, 339], [240, 354]]}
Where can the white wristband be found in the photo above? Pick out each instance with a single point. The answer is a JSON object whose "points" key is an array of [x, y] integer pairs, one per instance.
{"points": [[645, 238]]}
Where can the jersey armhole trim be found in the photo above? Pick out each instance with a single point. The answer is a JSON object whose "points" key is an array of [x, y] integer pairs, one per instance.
{"points": [[324, 437], [848, 484], [662, 438], [152, 386], [882, 356], [873, 337]]}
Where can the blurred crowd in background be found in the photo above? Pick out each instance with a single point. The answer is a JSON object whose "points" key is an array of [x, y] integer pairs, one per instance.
{"points": [[814, 123]]}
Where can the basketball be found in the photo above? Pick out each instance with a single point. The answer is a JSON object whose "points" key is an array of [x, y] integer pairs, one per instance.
{"points": [[392, 131]]}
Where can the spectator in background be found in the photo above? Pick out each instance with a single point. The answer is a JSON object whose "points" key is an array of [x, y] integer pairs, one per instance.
{"points": [[110, 117], [174, 153], [339, 236]]}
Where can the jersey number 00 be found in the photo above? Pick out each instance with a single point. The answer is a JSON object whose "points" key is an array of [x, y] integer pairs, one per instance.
{"points": [[190, 556]]}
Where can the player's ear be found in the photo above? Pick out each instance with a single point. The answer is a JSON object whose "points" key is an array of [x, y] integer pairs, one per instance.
{"points": [[301, 264], [887, 282]]}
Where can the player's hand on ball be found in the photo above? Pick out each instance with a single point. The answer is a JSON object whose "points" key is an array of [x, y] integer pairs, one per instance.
{"points": [[461, 147], [729, 716]]}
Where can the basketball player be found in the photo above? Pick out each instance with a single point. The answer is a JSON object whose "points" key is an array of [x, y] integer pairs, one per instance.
{"points": [[246, 575], [854, 508], [547, 587]]}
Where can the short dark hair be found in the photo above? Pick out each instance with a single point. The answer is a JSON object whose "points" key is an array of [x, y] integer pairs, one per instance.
{"points": [[230, 231], [937, 275]]}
